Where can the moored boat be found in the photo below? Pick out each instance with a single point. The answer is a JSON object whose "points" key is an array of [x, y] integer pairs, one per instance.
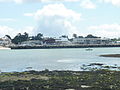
{"points": [[89, 49]]}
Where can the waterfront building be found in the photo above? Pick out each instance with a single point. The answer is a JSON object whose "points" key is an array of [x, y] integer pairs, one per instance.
{"points": [[5, 41], [62, 41], [32, 42], [96, 40], [117, 42], [107, 41], [49, 41]]}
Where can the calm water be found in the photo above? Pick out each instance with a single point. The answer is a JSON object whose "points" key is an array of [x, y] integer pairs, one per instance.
{"points": [[54, 59]]}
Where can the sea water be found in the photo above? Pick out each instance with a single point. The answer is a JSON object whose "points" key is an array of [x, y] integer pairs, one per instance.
{"points": [[54, 59]]}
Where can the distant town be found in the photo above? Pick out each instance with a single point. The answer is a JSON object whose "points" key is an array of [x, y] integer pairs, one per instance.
{"points": [[40, 40]]}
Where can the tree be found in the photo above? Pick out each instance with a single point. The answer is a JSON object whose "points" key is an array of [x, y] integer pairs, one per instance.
{"points": [[75, 35], [90, 36], [38, 37], [64, 36], [16, 39], [20, 38], [80, 36], [26, 35], [8, 36]]}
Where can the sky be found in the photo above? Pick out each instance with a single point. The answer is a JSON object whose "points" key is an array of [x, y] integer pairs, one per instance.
{"points": [[54, 18]]}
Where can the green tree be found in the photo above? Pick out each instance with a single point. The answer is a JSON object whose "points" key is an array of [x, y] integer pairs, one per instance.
{"points": [[38, 37], [20, 38], [8, 36], [75, 35], [91, 36]]}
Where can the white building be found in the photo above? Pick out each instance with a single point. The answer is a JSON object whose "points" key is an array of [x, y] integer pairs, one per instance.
{"points": [[63, 41], [32, 42], [90, 41], [106, 41], [117, 42], [5, 41]]}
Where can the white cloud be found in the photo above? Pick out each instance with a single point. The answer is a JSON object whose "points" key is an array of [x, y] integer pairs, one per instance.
{"points": [[56, 19], [87, 4], [106, 30], [5, 30], [55, 10], [24, 1], [114, 2]]}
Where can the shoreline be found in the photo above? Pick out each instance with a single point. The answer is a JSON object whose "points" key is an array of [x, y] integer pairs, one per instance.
{"points": [[90, 78], [6, 48], [60, 80], [111, 55]]}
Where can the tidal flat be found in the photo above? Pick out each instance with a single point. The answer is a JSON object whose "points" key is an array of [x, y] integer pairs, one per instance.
{"points": [[111, 55], [96, 79]]}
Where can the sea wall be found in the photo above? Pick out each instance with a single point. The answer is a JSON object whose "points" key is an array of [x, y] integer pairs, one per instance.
{"points": [[61, 46]]}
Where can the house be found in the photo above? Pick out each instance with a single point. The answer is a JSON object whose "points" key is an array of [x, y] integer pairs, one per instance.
{"points": [[95, 40], [117, 42], [32, 42], [49, 41], [86, 40], [5, 41], [62, 41], [106, 41]]}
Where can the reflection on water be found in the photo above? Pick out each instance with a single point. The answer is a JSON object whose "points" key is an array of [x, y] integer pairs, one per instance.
{"points": [[67, 60], [54, 59]]}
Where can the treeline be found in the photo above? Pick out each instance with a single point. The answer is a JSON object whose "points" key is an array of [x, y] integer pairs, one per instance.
{"points": [[88, 36], [25, 37], [19, 38]]}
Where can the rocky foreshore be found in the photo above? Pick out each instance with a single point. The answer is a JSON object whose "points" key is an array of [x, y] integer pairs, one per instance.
{"points": [[61, 80], [111, 55]]}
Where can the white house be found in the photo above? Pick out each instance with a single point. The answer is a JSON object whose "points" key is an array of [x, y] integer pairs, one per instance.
{"points": [[106, 41], [5, 41], [32, 42], [62, 41], [84, 40]]}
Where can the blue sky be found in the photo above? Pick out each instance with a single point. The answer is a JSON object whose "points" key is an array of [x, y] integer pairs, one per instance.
{"points": [[58, 17]]}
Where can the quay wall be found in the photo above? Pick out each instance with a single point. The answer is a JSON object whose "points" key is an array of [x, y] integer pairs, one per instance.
{"points": [[61, 46]]}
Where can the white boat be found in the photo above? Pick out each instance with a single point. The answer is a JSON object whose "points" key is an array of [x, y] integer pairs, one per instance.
{"points": [[4, 48]]}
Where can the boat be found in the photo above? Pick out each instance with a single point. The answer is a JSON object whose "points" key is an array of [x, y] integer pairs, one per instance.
{"points": [[89, 49], [4, 48]]}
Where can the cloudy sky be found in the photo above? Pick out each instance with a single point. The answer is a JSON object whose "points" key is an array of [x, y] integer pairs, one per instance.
{"points": [[60, 17]]}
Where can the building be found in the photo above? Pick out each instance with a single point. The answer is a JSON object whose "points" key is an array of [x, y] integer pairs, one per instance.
{"points": [[32, 42], [107, 41], [62, 41], [49, 41], [5, 41], [85, 40]]}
